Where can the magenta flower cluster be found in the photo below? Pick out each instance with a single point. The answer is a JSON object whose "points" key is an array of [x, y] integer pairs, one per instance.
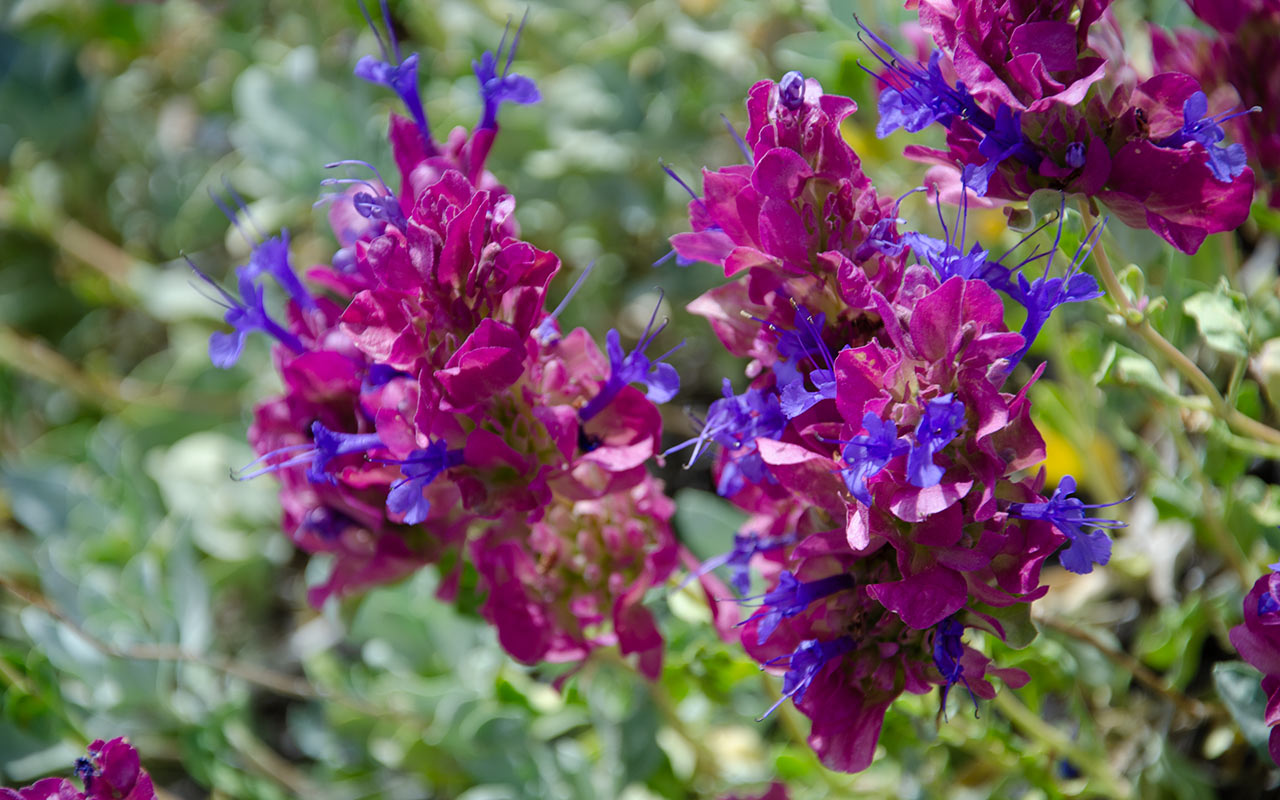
{"points": [[1257, 640], [435, 413], [1235, 65], [887, 471], [1040, 95], [111, 771]]}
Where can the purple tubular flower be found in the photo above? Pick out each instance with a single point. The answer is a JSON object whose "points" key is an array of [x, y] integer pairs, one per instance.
{"points": [[1225, 162], [401, 77], [1268, 605], [800, 344], [868, 453], [804, 664], [1075, 155], [947, 257], [790, 597], [948, 649], [1004, 139], [738, 560], [791, 90], [245, 316], [509, 87], [1044, 294], [942, 420], [327, 445], [735, 422], [661, 381], [1066, 513], [916, 96], [381, 205], [420, 469], [271, 257]]}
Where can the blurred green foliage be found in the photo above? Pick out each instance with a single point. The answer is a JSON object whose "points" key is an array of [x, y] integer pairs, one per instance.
{"points": [[150, 596]]}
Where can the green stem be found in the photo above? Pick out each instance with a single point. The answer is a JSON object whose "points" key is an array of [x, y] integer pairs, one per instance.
{"points": [[1095, 767], [1137, 322]]}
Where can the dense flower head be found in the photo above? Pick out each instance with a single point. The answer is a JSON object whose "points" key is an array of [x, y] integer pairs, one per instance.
{"points": [[1257, 640], [1039, 96], [112, 771], [434, 412], [892, 492]]}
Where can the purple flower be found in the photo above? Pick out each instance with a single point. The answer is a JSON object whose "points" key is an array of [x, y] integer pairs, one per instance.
{"points": [[1044, 294], [1001, 140], [745, 547], [915, 96], [661, 381], [1067, 514], [804, 343], [735, 422], [804, 664], [791, 90], [948, 649], [246, 315], [947, 257], [401, 76], [271, 257], [868, 453], [942, 420], [327, 446], [790, 597], [377, 204], [111, 772], [420, 469], [1225, 162], [508, 87]]}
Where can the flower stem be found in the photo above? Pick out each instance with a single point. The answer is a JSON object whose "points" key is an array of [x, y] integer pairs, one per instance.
{"points": [[1141, 325], [1106, 782], [1194, 708]]}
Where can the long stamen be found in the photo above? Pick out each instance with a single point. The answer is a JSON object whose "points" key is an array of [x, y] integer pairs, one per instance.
{"points": [[382, 46], [746, 151], [515, 42], [391, 31]]}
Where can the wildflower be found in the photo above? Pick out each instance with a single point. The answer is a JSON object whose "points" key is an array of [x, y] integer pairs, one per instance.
{"points": [[905, 364], [1257, 640], [804, 664], [245, 314], [940, 424], [433, 411], [327, 446], [1226, 162], [508, 87], [419, 469], [1067, 514], [1232, 65], [738, 559], [868, 453], [661, 381], [790, 597], [1023, 117], [399, 76], [947, 652], [111, 772]]}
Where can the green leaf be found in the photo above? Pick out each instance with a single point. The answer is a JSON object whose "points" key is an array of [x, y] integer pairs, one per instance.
{"points": [[706, 522], [1240, 687], [1222, 319]]}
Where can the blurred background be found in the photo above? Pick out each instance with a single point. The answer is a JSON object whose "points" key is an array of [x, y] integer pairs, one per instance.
{"points": [[149, 595]]}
